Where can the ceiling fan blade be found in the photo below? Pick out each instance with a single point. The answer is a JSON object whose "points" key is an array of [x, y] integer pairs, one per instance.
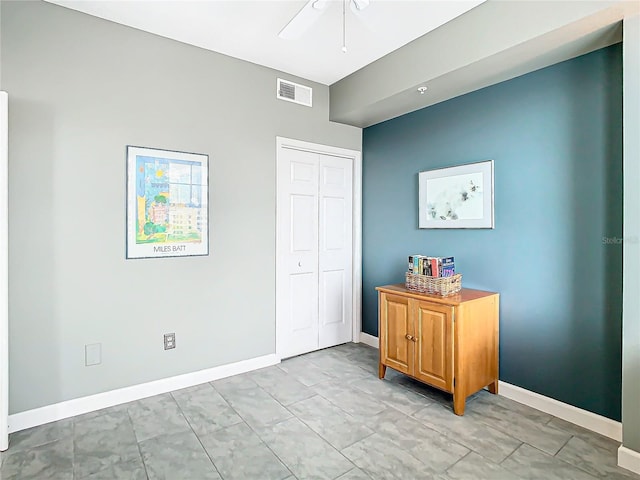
{"points": [[366, 15], [303, 20], [359, 4]]}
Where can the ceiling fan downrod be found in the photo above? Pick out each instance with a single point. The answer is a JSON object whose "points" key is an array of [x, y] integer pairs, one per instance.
{"points": [[344, 26]]}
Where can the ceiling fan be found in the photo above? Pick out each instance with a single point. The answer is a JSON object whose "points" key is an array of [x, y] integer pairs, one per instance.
{"points": [[313, 10]]}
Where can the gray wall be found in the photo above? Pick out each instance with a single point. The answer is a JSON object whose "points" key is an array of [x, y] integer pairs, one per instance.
{"points": [[555, 255], [80, 90], [631, 307]]}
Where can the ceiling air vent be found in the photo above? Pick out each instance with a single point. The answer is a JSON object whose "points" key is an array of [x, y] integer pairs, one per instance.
{"points": [[292, 92]]}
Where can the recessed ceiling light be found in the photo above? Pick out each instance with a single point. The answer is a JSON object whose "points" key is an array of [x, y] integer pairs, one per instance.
{"points": [[422, 90]]}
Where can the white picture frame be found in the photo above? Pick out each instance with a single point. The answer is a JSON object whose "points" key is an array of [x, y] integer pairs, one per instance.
{"points": [[456, 197], [167, 203]]}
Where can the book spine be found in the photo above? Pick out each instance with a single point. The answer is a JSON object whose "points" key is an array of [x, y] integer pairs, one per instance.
{"points": [[434, 267], [448, 267], [427, 266], [410, 270]]}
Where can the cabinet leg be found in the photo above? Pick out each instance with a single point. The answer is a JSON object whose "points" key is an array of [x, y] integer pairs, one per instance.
{"points": [[493, 387], [382, 369], [458, 403]]}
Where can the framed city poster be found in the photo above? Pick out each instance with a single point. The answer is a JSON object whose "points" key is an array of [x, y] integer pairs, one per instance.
{"points": [[167, 203]]}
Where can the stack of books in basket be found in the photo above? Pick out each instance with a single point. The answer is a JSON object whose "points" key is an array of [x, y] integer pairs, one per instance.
{"points": [[433, 275]]}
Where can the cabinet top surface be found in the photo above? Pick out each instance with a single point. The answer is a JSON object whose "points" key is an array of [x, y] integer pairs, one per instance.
{"points": [[465, 295]]}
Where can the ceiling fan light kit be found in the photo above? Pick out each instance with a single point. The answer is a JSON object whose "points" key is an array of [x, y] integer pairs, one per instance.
{"points": [[311, 11]]}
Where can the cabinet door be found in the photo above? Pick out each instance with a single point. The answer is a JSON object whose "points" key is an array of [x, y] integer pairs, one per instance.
{"points": [[396, 351], [434, 344]]}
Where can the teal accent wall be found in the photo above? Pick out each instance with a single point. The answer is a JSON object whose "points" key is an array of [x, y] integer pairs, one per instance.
{"points": [[555, 255]]}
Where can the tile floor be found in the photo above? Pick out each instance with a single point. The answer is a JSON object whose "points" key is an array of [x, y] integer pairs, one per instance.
{"points": [[324, 415]]}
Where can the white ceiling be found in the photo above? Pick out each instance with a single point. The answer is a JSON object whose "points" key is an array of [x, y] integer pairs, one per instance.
{"points": [[248, 29]]}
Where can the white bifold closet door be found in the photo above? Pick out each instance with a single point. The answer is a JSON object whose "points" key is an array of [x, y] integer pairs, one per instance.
{"points": [[315, 251]]}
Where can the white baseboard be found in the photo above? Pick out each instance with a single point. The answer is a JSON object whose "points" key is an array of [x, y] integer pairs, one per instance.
{"points": [[629, 459], [369, 340], [79, 406], [583, 418]]}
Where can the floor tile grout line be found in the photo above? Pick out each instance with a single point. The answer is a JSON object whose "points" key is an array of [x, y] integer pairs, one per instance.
{"points": [[506, 467], [373, 432], [336, 448], [584, 433], [506, 432], [385, 401], [144, 464], [75, 443], [206, 452], [492, 427], [329, 377], [10, 452], [352, 388], [244, 420], [273, 396], [111, 464], [542, 451], [450, 435], [563, 445], [269, 447], [265, 391], [446, 470], [293, 415], [409, 416], [321, 437], [559, 459], [577, 465], [514, 451], [73, 448]]}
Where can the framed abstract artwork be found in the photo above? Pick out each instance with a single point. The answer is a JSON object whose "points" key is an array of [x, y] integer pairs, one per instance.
{"points": [[167, 203], [456, 197]]}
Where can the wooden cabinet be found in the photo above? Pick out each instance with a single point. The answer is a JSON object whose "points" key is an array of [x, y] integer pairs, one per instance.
{"points": [[450, 342]]}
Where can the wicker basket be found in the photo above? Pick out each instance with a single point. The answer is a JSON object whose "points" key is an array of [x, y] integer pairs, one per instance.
{"points": [[442, 286]]}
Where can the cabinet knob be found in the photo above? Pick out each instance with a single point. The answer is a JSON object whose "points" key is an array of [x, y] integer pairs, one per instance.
{"points": [[409, 337]]}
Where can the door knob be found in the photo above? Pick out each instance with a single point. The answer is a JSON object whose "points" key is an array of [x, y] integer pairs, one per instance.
{"points": [[299, 264]]}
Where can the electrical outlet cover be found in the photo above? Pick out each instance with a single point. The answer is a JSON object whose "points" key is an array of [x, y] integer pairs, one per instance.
{"points": [[169, 341]]}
